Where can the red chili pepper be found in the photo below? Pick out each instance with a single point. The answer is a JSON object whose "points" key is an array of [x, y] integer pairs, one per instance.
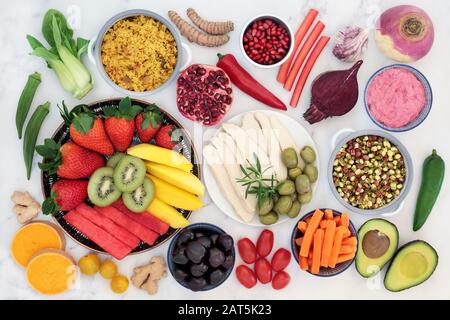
{"points": [[244, 81]]}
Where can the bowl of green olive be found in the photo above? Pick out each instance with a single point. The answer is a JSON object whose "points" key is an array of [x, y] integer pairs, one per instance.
{"points": [[370, 172]]}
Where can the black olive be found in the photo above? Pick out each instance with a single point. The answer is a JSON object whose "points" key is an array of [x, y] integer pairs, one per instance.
{"points": [[205, 241], [195, 251], [180, 275], [216, 276], [185, 237], [216, 257], [179, 255], [229, 262], [198, 270], [199, 234], [225, 242], [214, 237], [197, 284]]}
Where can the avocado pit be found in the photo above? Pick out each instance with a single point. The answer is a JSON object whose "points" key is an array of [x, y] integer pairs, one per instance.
{"points": [[375, 244]]}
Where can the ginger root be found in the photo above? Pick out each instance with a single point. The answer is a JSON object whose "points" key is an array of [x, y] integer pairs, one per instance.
{"points": [[194, 35], [211, 27], [146, 277], [26, 208]]}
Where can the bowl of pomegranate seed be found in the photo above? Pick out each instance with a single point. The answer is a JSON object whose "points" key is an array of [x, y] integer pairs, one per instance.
{"points": [[267, 41]]}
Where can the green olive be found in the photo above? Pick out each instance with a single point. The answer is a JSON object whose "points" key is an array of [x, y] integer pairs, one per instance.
{"points": [[302, 184], [266, 206], [294, 196], [294, 173], [295, 209], [289, 157], [308, 154], [283, 205], [269, 218], [311, 171], [305, 197], [286, 187]]}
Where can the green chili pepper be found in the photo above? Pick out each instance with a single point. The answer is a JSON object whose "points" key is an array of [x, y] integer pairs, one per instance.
{"points": [[25, 100], [432, 178], [31, 135]]}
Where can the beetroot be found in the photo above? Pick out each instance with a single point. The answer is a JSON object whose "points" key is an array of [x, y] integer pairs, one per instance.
{"points": [[333, 93], [204, 93]]}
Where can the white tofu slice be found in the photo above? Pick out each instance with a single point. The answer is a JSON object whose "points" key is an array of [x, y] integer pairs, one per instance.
{"points": [[253, 129], [224, 182]]}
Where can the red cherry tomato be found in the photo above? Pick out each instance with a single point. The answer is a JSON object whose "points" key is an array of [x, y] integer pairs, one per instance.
{"points": [[280, 280], [280, 259], [247, 250], [265, 243], [263, 270], [246, 276]]}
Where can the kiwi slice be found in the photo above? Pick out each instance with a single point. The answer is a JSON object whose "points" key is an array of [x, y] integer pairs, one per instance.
{"points": [[139, 199], [101, 188], [114, 160], [129, 173]]}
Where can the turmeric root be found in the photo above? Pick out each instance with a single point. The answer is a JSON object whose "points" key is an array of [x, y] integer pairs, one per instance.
{"points": [[211, 27], [194, 35], [147, 276], [25, 207]]}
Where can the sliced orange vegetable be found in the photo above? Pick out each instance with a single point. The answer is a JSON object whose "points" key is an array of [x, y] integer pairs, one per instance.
{"points": [[303, 263], [345, 257], [308, 220], [317, 252], [329, 214], [347, 233], [309, 234], [328, 240], [346, 249], [337, 219], [302, 225], [336, 247], [350, 241], [323, 224], [299, 241], [345, 220]]}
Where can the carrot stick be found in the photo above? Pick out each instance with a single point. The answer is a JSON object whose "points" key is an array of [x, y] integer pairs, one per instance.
{"points": [[328, 242], [346, 249], [308, 236], [302, 225], [323, 224], [307, 69], [303, 263], [337, 219], [336, 247], [329, 214], [300, 58], [350, 242], [345, 257], [345, 220], [347, 233], [299, 35], [299, 241], [308, 220], [317, 252]]}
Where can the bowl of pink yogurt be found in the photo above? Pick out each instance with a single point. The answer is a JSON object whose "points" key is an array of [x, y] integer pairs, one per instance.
{"points": [[398, 98]]}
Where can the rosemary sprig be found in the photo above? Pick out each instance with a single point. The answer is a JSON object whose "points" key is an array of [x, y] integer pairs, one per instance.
{"points": [[256, 183]]}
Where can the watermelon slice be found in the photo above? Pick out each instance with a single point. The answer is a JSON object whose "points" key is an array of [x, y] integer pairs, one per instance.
{"points": [[110, 244], [108, 225], [143, 233], [146, 219]]}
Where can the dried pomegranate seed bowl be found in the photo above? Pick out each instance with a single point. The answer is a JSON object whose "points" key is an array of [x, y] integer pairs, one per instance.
{"points": [[395, 205], [267, 41]]}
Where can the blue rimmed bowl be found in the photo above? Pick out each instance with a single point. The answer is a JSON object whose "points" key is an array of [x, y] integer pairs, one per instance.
{"points": [[323, 272], [207, 229], [428, 98]]}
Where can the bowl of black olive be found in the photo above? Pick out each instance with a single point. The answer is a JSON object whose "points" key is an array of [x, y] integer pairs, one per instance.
{"points": [[201, 257]]}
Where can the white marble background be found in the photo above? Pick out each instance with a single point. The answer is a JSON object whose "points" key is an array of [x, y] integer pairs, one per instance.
{"points": [[17, 18]]}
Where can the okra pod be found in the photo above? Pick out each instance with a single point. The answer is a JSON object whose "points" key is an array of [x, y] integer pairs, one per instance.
{"points": [[25, 100]]}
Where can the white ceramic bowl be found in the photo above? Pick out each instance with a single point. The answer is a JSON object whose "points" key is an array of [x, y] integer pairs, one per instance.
{"points": [[278, 20]]}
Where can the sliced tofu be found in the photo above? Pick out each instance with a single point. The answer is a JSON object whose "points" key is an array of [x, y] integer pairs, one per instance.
{"points": [[253, 129], [224, 182], [233, 171], [274, 146]]}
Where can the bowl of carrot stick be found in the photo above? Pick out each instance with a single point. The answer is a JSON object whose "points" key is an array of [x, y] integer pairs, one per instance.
{"points": [[324, 242]]}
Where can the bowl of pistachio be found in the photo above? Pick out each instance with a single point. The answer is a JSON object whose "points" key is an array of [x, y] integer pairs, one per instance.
{"points": [[370, 172]]}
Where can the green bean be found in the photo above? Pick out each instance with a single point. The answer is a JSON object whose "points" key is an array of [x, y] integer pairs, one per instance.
{"points": [[25, 100]]}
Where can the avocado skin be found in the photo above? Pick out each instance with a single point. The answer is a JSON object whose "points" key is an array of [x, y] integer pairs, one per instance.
{"points": [[403, 247], [361, 237]]}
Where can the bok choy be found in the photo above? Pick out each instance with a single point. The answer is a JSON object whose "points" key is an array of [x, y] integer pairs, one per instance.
{"points": [[64, 55]]}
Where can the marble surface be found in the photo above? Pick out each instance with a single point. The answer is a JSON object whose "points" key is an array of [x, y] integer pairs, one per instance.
{"points": [[22, 17]]}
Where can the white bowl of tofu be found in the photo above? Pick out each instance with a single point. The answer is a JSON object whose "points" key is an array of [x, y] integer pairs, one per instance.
{"points": [[264, 133]]}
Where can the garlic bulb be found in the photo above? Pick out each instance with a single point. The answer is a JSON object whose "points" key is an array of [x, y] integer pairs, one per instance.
{"points": [[350, 44]]}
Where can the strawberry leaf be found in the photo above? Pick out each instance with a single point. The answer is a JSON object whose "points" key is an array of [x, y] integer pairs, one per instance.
{"points": [[50, 206], [83, 123], [110, 111], [124, 104]]}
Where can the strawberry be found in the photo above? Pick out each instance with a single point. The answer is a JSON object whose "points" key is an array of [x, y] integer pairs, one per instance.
{"points": [[168, 136], [119, 123], [148, 122], [87, 130], [65, 195], [69, 160]]}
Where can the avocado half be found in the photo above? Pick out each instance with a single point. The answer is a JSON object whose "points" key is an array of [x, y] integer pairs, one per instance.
{"points": [[412, 265], [378, 241]]}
